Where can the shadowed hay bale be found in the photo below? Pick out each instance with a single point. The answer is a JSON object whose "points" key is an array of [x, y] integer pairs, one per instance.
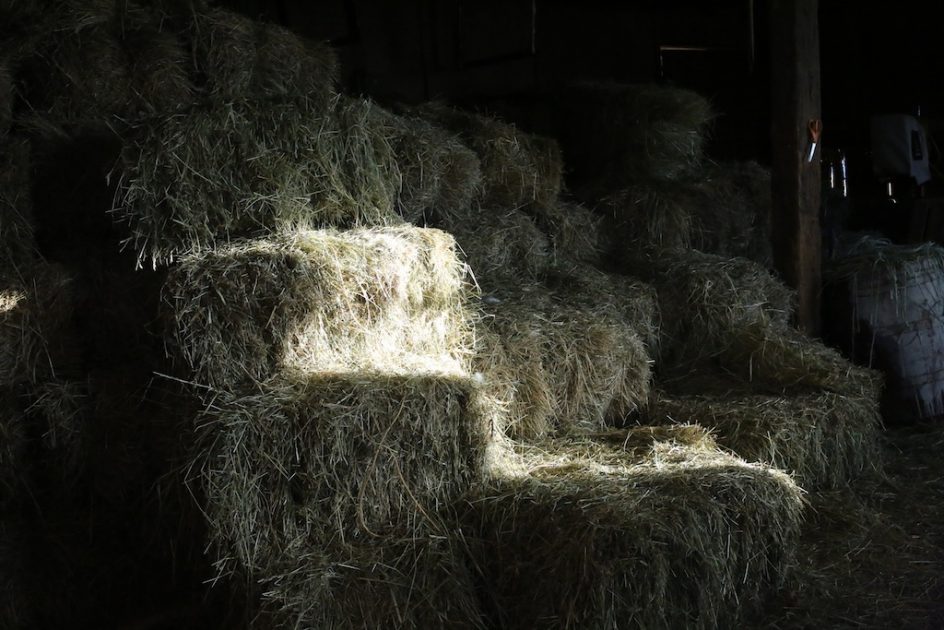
{"points": [[242, 59], [34, 314], [517, 168], [441, 176], [59, 407], [6, 98], [775, 356], [188, 182], [15, 606], [737, 221], [712, 299], [618, 531], [500, 243], [106, 62], [14, 442], [330, 459], [653, 214], [391, 299], [613, 133], [556, 364], [634, 301], [573, 229], [823, 438], [17, 245], [411, 584]]}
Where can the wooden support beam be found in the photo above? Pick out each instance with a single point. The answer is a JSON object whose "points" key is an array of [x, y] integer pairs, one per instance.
{"points": [[795, 87]]}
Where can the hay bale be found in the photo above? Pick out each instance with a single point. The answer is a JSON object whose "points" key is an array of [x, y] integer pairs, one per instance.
{"points": [[573, 229], [713, 298], [243, 59], [17, 245], [14, 442], [15, 605], [6, 98], [441, 176], [416, 584], [60, 408], [391, 299], [652, 214], [500, 244], [245, 169], [328, 458], [736, 222], [824, 439], [34, 319], [654, 531], [517, 168], [554, 363], [613, 134]]}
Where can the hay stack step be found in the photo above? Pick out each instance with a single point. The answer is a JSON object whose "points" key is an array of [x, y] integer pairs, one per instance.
{"points": [[626, 531], [246, 168], [556, 362], [500, 244], [335, 459], [390, 299]]}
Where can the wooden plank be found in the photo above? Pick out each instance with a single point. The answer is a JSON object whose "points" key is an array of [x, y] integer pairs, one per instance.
{"points": [[795, 91]]}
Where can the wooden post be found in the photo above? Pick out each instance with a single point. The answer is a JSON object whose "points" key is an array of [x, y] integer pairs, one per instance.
{"points": [[795, 87]]}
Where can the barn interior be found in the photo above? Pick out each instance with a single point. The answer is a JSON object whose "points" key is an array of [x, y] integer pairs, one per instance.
{"points": [[451, 314]]}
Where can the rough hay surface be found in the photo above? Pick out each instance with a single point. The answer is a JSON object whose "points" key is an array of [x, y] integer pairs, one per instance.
{"points": [[736, 221], [712, 297], [613, 133], [517, 168], [15, 605], [440, 175], [34, 315], [324, 459], [411, 584], [17, 245], [555, 363], [500, 244], [6, 97], [242, 59], [390, 299], [823, 438], [60, 408], [14, 442], [573, 230], [620, 531], [190, 181]]}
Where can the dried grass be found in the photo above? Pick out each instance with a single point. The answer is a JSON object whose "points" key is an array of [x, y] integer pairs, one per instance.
{"points": [[190, 182], [824, 439], [574, 230], [6, 97], [411, 584], [14, 469], [714, 299], [621, 530], [242, 59], [17, 246], [614, 134], [15, 604], [441, 176], [556, 363], [334, 459], [60, 408], [500, 244], [391, 299], [517, 168]]}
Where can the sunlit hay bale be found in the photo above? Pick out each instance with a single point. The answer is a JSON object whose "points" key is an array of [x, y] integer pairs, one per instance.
{"points": [[17, 244], [15, 605], [441, 176], [616, 531], [635, 301], [776, 357], [557, 364], [823, 438], [411, 584], [711, 298], [34, 318], [391, 299], [190, 182], [323, 459], [242, 59], [517, 168], [573, 229], [500, 243], [613, 134]]}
